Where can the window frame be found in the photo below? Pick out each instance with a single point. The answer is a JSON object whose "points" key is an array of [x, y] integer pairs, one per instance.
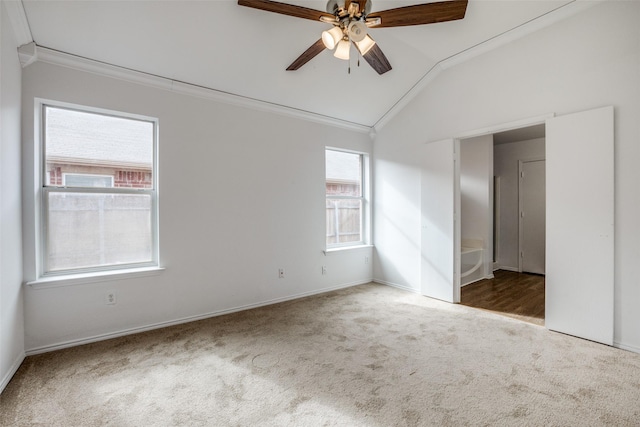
{"points": [[44, 190], [364, 199]]}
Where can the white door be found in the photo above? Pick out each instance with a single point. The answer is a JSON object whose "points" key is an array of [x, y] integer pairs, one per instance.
{"points": [[438, 193], [580, 189], [532, 216]]}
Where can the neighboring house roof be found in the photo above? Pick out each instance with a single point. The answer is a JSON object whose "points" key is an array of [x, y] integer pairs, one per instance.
{"points": [[342, 167], [85, 138]]}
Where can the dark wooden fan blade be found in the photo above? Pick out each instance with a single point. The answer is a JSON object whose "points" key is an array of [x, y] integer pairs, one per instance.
{"points": [[307, 56], [419, 14], [285, 9], [377, 60]]}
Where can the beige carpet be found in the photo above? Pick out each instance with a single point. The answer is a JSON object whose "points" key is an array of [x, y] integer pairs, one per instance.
{"points": [[365, 356]]}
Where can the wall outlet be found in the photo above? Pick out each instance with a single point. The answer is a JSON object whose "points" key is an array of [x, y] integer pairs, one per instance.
{"points": [[324, 270], [110, 298], [281, 273], [366, 260]]}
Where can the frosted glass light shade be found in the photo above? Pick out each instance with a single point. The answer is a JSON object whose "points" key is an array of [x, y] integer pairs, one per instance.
{"points": [[331, 37], [342, 51], [365, 45], [357, 31]]}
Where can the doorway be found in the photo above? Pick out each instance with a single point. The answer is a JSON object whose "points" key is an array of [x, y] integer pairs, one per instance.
{"points": [[506, 200], [579, 270]]}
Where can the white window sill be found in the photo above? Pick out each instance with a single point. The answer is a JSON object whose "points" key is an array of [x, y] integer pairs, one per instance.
{"points": [[100, 276], [342, 249]]}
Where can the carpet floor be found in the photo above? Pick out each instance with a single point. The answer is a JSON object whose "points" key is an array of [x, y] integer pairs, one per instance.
{"points": [[369, 355]]}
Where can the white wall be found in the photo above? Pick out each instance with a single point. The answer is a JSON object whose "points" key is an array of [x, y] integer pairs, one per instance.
{"points": [[476, 207], [586, 61], [506, 157], [11, 296], [241, 195]]}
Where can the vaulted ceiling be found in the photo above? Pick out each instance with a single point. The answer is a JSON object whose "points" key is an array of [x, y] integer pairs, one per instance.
{"points": [[220, 45]]}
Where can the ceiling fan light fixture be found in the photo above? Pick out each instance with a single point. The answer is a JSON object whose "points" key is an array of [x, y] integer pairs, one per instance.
{"points": [[342, 51], [331, 37], [357, 31], [342, 13], [365, 45]]}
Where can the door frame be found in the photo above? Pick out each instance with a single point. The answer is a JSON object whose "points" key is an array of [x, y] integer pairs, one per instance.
{"points": [[490, 130], [572, 321], [520, 205]]}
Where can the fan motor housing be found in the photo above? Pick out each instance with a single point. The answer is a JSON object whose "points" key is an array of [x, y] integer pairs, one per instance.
{"points": [[334, 6]]}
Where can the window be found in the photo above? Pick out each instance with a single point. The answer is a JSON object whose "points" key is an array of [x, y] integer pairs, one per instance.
{"points": [[98, 199], [345, 198]]}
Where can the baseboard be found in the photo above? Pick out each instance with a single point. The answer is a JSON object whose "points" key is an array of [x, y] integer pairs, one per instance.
{"points": [[150, 327], [626, 347], [12, 371], [395, 285]]}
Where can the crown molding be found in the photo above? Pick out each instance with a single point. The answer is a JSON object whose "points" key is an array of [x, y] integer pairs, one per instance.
{"points": [[18, 19], [255, 104], [562, 12], [27, 54], [33, 52]]}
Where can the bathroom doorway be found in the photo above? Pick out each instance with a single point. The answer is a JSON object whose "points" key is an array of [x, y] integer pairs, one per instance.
{"points": [[502, 230]]}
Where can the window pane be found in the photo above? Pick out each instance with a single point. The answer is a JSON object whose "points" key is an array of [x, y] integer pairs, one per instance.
{"points": [[79, 180], [78, 142], [91, 230], [343, 221], [343, 173]]}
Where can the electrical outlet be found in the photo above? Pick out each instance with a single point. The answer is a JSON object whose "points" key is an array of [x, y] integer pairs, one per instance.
{"points": [[110, 298], [281, 273], [324, 270], [366, 260]]}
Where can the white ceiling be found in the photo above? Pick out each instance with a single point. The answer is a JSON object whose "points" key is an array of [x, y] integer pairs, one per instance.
{"points": [[234, 49]]}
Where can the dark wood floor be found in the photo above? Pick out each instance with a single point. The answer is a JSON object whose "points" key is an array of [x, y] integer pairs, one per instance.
{"points": [[512, 294]]}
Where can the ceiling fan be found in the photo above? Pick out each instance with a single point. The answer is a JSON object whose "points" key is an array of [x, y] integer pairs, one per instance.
{"points": [[351, 20]]}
